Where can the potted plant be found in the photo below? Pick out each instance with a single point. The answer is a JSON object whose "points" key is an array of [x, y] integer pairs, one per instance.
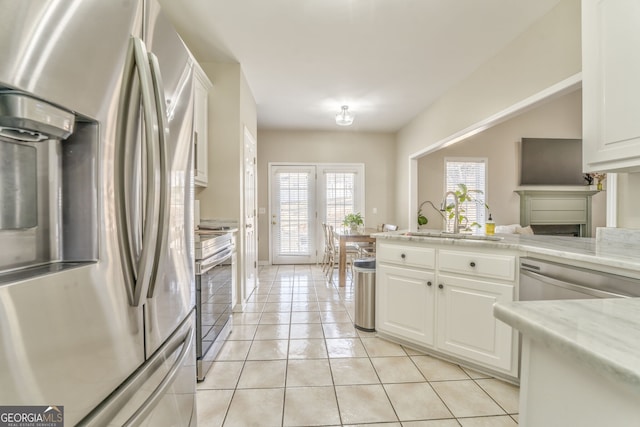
{"points": [[422, 219], [353, 221], [463, 195]]}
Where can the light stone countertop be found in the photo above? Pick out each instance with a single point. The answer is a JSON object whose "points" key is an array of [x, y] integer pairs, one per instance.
{"points": [[603, 334], [618, 252]]}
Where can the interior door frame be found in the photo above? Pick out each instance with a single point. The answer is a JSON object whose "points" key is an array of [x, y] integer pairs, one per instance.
{"points": [[248, 233], [320, 199]]}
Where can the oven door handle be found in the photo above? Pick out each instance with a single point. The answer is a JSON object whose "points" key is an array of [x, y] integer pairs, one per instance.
{"points": [[597, 293], [207, 264]]}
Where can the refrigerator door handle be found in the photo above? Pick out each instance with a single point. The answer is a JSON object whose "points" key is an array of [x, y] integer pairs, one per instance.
{"points": [[139, 271], [152, 401], [124, 397], [163, 220]]}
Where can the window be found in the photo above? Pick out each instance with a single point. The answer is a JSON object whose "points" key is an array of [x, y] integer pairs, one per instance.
{"points": [[471, 172]]}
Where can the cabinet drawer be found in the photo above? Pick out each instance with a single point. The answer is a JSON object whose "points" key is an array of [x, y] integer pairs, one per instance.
{"points": [[477, 264], [413, 256]]}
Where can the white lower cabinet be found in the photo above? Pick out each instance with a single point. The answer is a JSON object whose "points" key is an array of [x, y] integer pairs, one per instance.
{"points": [[405, 304], [466, 325], [448, 308]]}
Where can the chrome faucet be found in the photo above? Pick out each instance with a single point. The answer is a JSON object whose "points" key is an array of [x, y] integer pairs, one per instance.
{"points": [[456, 212]]}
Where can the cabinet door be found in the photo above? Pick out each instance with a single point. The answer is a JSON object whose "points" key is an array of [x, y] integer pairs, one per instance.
{"points": [[200, 131], [466, 326], [405, 303], [610, 85]]}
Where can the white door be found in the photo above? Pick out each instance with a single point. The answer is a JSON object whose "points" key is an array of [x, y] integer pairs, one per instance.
{"points": [[293, 214], [250, 245]]}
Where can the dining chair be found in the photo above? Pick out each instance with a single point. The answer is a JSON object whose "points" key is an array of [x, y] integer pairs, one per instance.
{"points": [[328, 248], [334, 253], [369, 249]]}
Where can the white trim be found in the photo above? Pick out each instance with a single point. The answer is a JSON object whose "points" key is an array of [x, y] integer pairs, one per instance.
{"points": [[413, 194], [358, 169], [612, 200], [561, 88]]}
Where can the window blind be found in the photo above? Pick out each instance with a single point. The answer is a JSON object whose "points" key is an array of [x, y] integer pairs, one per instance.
{"points": [[472, 173], [340, 196], [292, 195]]}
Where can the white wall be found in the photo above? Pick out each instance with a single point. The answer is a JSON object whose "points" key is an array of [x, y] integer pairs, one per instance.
{"points": [[231, 108], [375, 150], [628, 200], [547, 53], [559, 118], [224, 149]]}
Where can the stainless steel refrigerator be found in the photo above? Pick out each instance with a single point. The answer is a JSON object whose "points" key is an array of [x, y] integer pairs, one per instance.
{"points": [[96, 228]]}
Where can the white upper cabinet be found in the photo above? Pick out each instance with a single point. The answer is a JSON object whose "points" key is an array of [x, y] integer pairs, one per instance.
{"points": [[611, 85], [202, 85]]}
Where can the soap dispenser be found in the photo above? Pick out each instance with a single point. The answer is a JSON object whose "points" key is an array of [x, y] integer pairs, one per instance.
{"points": [[490, 227]]}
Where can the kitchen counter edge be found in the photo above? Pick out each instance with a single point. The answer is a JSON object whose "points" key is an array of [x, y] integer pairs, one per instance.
{"points": [[603, 334], [622, 256]]}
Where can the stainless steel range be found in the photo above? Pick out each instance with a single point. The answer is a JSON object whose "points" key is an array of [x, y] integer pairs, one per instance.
{"points": [[215, 275]]}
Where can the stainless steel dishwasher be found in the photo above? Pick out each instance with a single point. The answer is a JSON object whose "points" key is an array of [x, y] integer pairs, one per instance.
{"points": [[544, 280]]}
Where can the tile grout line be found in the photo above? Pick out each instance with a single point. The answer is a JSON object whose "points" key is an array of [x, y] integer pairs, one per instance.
{"points": [[329, 306]]}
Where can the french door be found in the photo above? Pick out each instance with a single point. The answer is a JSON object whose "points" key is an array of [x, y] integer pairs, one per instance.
{"points": [[302, 197], [293, 214]]}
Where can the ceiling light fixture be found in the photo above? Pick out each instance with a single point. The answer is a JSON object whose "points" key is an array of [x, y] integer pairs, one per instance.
{"points": [[344, 117]]}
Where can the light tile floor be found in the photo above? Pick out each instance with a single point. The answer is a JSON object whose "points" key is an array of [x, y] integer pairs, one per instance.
{"points": [[294, 358]]}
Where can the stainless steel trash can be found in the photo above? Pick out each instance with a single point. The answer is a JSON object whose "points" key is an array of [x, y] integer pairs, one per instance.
{"points": [[364, 271]]}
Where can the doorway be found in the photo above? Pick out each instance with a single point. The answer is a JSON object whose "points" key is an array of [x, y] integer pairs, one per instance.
{"points": [[250, 235], [302, 197]]}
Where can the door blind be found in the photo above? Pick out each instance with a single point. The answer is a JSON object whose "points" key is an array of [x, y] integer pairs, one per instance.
{"points": [[340, 196], [292, 196]]}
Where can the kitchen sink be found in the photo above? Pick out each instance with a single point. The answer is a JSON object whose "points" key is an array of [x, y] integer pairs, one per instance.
{"points": [[446, 235]]}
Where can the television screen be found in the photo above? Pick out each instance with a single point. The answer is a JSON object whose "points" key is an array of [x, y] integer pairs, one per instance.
{"points": [[548, 161]]}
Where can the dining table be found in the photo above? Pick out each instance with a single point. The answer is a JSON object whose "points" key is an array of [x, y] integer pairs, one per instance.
{"points": [[348, 236]]}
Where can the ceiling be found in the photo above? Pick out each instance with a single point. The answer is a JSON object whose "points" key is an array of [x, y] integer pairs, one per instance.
{"points": [[386, 59]]}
